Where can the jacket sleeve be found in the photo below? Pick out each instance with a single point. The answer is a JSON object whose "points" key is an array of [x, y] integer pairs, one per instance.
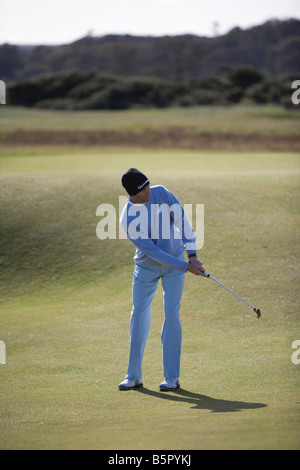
{"points": [[182, 223], [147, 246]]}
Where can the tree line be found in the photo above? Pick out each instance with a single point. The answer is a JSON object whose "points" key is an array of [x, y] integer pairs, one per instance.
{"points": [[272, 48], [255, 65]]}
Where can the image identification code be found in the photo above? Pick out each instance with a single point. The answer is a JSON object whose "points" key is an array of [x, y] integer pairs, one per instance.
{"points": [[163, 459]]}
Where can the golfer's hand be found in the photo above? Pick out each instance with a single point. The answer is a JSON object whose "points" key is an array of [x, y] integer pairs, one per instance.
{"points": [[195, 267]]}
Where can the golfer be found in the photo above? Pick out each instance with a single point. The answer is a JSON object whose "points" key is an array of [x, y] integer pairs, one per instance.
{"points": [[155, 222]]}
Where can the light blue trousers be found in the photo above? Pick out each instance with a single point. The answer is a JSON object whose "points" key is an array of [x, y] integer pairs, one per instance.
{"points": [[145, 282]]}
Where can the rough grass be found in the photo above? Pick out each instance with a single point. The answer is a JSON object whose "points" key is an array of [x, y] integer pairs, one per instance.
{"points": [[236, 119]]}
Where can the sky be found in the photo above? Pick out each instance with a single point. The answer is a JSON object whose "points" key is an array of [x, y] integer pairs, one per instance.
{"points": [[63, 21]]}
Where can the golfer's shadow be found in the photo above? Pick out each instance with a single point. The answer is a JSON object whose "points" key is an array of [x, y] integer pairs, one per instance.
{"points": [[202, 402]]}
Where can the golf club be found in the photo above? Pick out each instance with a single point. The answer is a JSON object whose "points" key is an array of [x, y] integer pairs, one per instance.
{"points": [[256, 310]]}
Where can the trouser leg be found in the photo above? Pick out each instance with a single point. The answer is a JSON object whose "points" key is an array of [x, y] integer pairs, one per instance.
{"points": [[143, 290], [171, 335]]}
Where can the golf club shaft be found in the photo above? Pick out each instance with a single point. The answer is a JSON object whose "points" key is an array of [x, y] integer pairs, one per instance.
{"points": [[218, 282]]}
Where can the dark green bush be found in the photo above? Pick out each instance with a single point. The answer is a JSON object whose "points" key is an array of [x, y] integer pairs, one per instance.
{"points": [[76, 90]]}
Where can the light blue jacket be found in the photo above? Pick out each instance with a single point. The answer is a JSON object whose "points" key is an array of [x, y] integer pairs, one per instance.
{"points": [[160, 230]]}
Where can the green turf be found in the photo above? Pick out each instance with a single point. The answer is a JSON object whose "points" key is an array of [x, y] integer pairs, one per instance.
{"points": [[237, 119], [66, 300]]}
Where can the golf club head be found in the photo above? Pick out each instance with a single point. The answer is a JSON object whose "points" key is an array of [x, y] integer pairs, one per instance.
{"points": [[257, 311]]}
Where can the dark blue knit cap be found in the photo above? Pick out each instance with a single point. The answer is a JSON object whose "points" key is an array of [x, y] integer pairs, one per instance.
{"points": [[134, 181]]}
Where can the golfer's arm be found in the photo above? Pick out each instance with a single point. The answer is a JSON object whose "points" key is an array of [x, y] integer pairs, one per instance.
{"points": [[184, 226], [157, 254]]}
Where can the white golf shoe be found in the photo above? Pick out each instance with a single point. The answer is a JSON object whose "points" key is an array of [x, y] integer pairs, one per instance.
{"points": [[128, 384], [169, 384]]}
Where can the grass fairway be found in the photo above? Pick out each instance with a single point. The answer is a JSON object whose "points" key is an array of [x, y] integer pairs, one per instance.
{"points": [[241, 119], [66, 300]]}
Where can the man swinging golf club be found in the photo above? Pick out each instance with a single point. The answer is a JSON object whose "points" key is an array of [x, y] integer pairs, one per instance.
{"points": [[155, 222]]}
